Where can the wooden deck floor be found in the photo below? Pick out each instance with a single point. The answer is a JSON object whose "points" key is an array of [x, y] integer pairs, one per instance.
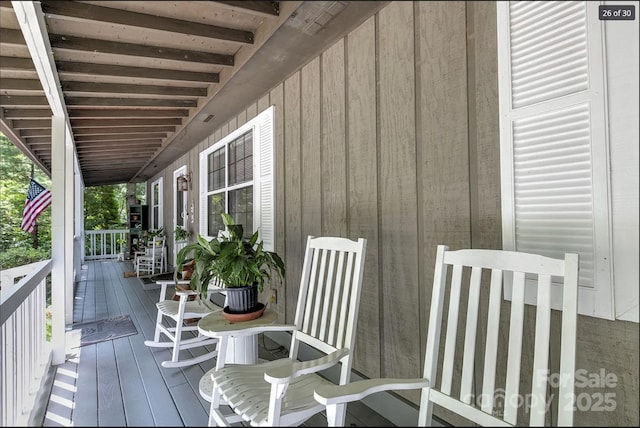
{"points": [[120, 382]]}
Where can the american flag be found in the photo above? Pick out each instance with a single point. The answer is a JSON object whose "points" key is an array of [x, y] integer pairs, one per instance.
{"points": [[38, 199]]}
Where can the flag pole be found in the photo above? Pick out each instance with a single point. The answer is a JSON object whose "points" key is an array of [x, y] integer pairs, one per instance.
{"points": [[34, 233]]}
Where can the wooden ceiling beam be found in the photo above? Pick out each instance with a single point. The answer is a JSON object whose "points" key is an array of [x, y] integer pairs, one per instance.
{"points": [[143, 72], [97, 161], [40, 132], [78, 124], [116, 137], [135, 19], [134, 152], [96, 173], [128, 149], [100, 145], [121, 130], [15, 63], [113, 88], [12, 37], [129, 102], [23, 100], [59, 41], [36, 140], [26, 113], [262, 8], [125, 113], [20, 84], [31, 124]]}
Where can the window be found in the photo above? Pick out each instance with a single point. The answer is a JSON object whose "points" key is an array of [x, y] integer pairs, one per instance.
{"points": [[554, 142], [156, 204], [236, 176], [179, 200]]}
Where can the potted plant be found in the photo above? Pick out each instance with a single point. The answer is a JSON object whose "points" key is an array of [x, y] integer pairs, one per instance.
{"points": [[181, 234], [240, 265]]}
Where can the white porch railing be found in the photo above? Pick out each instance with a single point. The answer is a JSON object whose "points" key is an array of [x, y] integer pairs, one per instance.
{"points": [[177, 246], [25, 354], [105, 244]]}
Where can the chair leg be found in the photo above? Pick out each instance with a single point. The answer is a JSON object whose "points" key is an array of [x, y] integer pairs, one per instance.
{"points": [[336, 415], [156, 335], [178, 332], [215, 404]]}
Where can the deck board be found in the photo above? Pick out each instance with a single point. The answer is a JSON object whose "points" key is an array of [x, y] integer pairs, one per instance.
{"points": [[121, 382]]}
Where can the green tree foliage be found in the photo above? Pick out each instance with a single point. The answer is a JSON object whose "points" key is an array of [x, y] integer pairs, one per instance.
{"points": [[15, 171], [104, 207]]}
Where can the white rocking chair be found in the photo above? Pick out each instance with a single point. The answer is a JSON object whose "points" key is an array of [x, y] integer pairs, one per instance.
{"points": [[154, 259], [280, 392], [488, 411], [179, 311]]}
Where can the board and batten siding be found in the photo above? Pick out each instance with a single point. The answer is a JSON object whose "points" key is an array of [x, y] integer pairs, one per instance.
{"points": [[392, 134]]}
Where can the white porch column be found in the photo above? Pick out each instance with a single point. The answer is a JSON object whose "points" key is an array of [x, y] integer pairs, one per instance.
{"points": [[78, 222], [61, 190], [69, 229], [34, 30]]}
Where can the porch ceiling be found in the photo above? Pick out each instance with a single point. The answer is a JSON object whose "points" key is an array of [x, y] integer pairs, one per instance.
{"points": [[145, 81]]}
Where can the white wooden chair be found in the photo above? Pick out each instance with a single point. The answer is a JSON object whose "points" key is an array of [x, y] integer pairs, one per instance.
{"points": [[179, 311], [154, 259], [458, 397], [280, 392]]}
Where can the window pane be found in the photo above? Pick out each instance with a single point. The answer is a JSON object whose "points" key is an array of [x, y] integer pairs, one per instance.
{"points": [[156, 217], [179, 208], [241, 208], [216, 170], [241, 159], [216, 207]]}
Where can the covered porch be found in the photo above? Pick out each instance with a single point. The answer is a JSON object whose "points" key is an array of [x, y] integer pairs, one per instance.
{"points": [[121, 382], [384, 120]]}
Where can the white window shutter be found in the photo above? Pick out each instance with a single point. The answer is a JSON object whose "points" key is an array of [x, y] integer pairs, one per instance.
{"points": [[202, 218], [263, 194], [553, 140], [160, 203]]}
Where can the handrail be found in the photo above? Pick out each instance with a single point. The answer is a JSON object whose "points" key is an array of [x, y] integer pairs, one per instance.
{"points": [[23, 345], [8, 276], [105, 244]]}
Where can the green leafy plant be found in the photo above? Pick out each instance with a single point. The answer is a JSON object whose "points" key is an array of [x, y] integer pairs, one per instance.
{"points": [[233, 260], [181, 234], [156, 232]]}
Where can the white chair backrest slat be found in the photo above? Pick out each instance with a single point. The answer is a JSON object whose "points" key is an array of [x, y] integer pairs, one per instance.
{"points": [[321, 278], [325, 315], [310, 263], [491, 348], [452, 329], [523, 270], [541, 351], [469, 352], [339, 285], [566, 391], [516, 324]]}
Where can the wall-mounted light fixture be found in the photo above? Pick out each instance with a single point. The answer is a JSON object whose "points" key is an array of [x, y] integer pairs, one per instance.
{"points": [[184, 182]]}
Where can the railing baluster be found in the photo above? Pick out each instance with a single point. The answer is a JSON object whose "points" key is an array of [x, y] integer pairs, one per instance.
{"points": [[24, 355], [104, 244]]}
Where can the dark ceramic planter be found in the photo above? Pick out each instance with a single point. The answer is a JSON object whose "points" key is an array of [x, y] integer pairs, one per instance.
{"points": [[242, 300]]}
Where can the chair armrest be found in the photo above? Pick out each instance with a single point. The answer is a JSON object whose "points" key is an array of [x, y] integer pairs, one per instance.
{"points": [[354, 391], [284, 374], [186, 292]]}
